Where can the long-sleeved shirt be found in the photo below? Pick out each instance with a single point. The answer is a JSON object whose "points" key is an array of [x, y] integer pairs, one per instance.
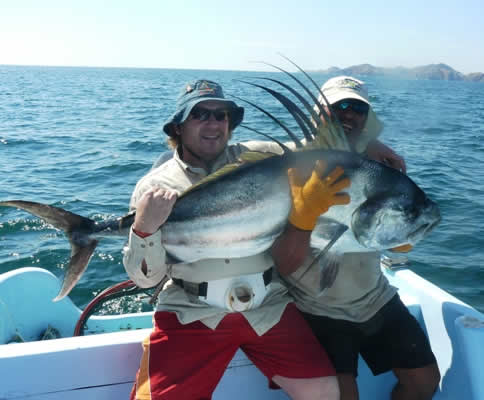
{"points": [[177, 175]]}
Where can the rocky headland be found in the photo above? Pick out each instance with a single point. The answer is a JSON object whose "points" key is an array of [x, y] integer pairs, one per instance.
{"points": [[431, 71]]}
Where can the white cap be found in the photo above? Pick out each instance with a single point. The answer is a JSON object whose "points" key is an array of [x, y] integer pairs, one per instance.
{"points": [[345, 87]]}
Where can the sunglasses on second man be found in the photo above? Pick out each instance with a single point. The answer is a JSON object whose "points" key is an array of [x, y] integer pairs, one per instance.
{"points": [[203, 114], [357, 106]]}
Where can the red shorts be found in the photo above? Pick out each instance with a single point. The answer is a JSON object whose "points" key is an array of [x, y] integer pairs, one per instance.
{"points": [[187, 361]]}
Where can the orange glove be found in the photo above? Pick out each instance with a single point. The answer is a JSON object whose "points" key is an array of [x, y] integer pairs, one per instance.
{"points": [[312, 198], [402, 249]]}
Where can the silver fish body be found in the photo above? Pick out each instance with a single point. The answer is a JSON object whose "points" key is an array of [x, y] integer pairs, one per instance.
{"points": [[237, 215], [242, 213]]}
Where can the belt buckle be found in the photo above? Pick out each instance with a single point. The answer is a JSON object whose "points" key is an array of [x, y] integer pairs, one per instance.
{"points": [[239, 297], [237, 294]]}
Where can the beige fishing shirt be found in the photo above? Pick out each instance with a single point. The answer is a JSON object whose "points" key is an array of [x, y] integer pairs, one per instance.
{"points": [[358, 292], [177, 175]]}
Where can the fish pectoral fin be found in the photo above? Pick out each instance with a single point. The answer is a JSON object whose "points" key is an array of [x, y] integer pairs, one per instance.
{"points": [[328, 228], [323, 254], [329, 265], [321, 273], [80, 256]]}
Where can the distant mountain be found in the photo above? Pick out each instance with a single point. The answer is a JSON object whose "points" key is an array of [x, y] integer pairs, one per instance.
{"points": [[431, 71], [475, 77]]}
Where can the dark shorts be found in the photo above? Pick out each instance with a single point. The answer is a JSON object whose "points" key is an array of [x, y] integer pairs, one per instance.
{"points": [[391, 339]]}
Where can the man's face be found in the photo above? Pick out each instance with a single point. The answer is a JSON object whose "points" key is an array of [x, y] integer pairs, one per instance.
{"points": [[352, 114], [205, 133]]}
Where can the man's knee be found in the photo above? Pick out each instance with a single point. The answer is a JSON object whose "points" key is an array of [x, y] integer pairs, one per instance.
{"points": [[430, 381], [309, 388], [423, 382]]}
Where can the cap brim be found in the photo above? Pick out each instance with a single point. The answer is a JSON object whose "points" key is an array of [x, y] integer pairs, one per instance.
{"points": [[342, 95]]}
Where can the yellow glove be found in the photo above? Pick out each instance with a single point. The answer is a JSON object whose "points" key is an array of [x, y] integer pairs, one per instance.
{"points": [[312, 198]]}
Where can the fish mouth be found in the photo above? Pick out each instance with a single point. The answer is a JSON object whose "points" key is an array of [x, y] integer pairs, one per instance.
{"points": [[423, 230]]}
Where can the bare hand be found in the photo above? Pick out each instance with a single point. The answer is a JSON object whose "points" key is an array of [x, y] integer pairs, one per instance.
{"points": [[379, 152], [153, 209]]}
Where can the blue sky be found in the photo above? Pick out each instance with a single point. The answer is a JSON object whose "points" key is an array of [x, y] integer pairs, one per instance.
{"points": [[233, 34]]}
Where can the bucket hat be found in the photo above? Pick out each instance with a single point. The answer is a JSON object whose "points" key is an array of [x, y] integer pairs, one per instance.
{"points": [[196, 92]]}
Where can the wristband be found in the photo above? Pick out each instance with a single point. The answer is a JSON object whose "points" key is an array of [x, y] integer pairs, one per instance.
{"points": [[141, 234]]}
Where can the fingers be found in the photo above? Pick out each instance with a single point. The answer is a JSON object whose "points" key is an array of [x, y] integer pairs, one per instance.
{"points": [[396, 163], [153, 208], [332, 179], [402, 166], [315, 196], [167, 195], [295, 177], [341, 184], [318, 178], [320, 167], [160, 195], [335, 174], [341, 199], [393, 160]]}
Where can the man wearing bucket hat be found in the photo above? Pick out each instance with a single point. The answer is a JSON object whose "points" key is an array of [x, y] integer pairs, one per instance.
{"points": [[360, 313], [197, 327], [192, 95]]}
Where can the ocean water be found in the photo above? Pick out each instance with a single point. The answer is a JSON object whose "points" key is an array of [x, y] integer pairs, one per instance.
{"points": [[80, 138]]}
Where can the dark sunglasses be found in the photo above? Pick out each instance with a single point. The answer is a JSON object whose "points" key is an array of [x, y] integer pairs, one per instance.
{"points": [[203, 114], [357, 106]]}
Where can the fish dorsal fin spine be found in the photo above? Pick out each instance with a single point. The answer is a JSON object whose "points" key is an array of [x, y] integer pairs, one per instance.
{"points": [[255, 156]]}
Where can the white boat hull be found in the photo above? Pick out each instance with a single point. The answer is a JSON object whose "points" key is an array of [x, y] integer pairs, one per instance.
{"points": [[103, 366]]}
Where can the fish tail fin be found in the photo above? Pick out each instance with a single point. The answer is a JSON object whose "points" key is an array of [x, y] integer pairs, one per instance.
{"points": [[81, 254], [76, 227]]}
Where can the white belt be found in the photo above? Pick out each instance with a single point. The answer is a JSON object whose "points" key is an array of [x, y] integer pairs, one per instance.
{"points": [[239, 293]]}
